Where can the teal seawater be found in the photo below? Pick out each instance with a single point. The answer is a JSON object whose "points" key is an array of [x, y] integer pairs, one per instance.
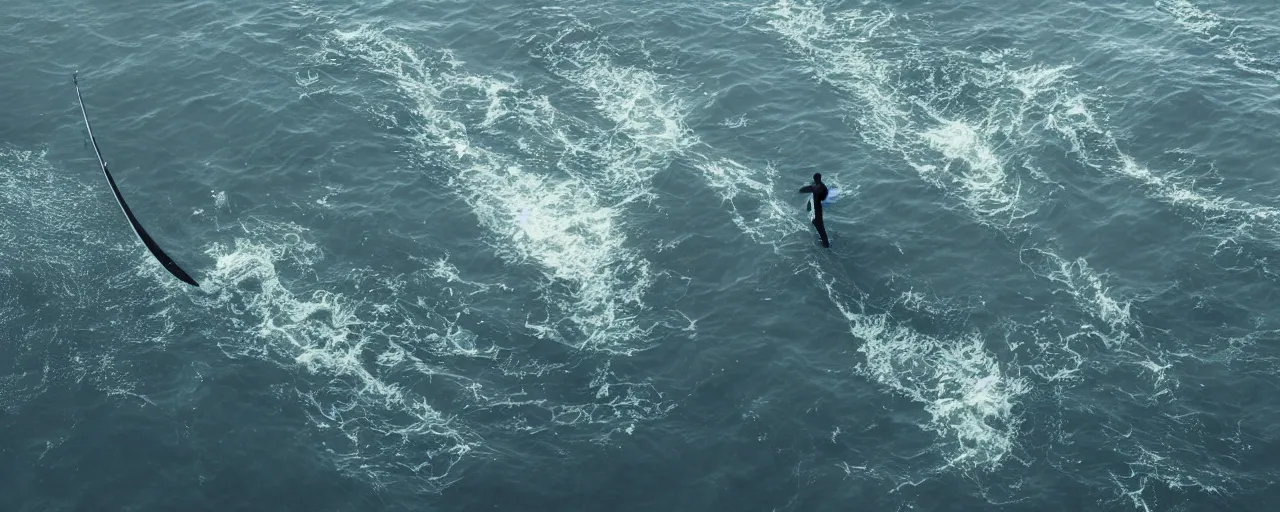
{"points": [[551, 256]]}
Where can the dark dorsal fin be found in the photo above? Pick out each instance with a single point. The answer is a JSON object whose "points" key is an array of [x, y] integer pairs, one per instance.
{"points": [[152, 246]]}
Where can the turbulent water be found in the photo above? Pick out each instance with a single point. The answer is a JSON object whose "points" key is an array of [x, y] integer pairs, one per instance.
{"points": [[515, 255]]}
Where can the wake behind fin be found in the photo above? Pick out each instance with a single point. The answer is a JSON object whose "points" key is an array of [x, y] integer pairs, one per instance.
{"points": [[151, 244]]}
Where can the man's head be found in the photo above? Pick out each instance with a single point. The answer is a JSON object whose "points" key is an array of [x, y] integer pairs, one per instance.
{"points": [[817, 177]]}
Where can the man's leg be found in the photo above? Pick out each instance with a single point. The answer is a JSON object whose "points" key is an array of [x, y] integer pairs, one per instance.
{"points": [[822, 231]]}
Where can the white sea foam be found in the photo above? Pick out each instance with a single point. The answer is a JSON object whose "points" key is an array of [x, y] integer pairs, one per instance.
{"points": [[360, 351], [956, 152], [970, 397], [646, 112], [649, 132], [949, 150], [960, 142], [753, 205], [64, 242], [1235, 39], [560, 224], [1070, 113], [1083, 284], [961, 384]]}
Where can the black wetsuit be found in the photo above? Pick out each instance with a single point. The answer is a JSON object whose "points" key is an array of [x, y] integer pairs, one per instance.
{"points": [[819, 191]]}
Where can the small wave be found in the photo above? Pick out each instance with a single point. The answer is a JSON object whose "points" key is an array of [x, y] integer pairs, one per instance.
{"points": [[1084, 285], [955, 154], [356, 349], [1236, 41], [650, 121], [390, 365], [1070, 114], [65, 253], [650, 131], [48, 224], [970, 398], [961, 413], [950, 150], [755, 208], [959, 384], [1165, 458], [558, 223]]}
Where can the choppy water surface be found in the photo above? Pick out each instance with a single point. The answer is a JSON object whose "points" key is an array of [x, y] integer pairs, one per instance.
{"points": [[550, 256]]}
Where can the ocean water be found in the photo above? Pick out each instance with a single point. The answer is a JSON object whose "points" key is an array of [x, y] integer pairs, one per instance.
{"points": [[515, 255]]}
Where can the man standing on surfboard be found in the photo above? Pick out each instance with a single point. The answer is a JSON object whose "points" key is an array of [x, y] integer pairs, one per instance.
{"points": [[819, 191]]}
